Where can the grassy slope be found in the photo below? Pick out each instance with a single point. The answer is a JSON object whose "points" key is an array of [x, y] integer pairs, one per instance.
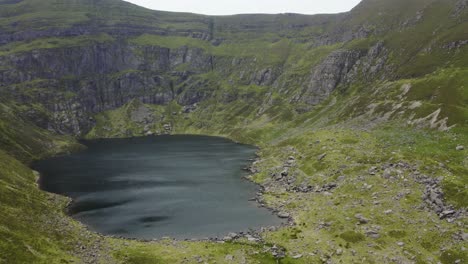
{"points": [[353, 137], [30, 219]]}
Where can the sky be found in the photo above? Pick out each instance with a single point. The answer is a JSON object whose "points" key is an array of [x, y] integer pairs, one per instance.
{"points": [[230, 7]]}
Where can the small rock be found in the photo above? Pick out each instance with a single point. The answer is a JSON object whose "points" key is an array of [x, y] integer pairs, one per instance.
{"points": [[362, 219], [339, 252], [373, 170], [373, 234], [400, 244], [464, 236], [321, 157], [459, 148], [446, 213], [229, 257], [251, 238], [198, 259], [298, 256], [283, 215], [388, 212]]}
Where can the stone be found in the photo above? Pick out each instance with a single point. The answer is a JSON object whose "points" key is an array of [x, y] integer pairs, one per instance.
{"points": [[289, 163], [251, 238], [328, 187], [321, 157], [229, 257], [361, 218], [400, 244], [447, 213], [387, 212], [298, 256], [284, 215], [464, 236], [459, 148], [373, 234], [373, 170], [339, 252]]}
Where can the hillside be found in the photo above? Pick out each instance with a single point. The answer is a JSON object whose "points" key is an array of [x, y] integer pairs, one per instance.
{"points": [[372, 106]]}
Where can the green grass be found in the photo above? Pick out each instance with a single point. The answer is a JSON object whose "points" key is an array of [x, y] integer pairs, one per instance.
{"points": [[31, 224], [53, 43]]}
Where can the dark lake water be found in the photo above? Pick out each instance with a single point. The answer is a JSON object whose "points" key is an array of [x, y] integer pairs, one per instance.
{"points": [[177, 186]]}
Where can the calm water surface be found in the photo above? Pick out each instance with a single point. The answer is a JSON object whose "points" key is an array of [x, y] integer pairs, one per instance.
{"points": [[177, 186]]}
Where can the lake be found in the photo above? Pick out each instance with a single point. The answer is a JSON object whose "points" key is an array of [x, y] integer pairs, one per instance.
{"points": [[150, 187]]}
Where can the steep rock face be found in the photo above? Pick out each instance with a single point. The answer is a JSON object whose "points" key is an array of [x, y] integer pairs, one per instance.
{"points": [[87, 80], [326, 76], [98, 59]]}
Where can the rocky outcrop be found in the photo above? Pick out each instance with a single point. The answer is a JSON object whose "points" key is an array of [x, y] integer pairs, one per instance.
{"points": [[97, 59], [326, 76], [433, 197], [460, 7]]}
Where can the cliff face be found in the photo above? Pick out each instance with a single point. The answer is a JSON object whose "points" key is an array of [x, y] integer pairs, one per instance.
{"points": [[75, 83]]}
